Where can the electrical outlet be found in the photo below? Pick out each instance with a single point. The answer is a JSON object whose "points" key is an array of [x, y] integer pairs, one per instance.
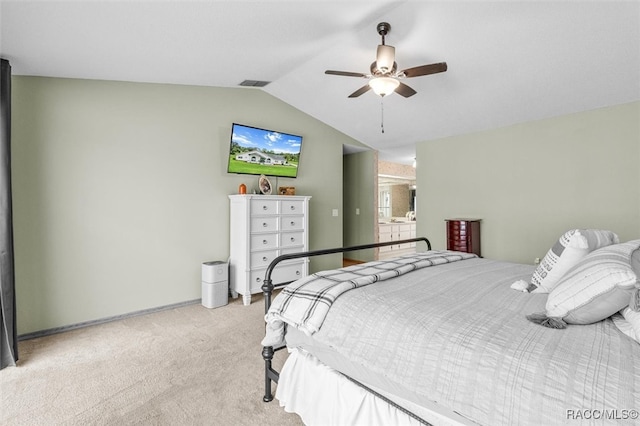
{"points": [[536, 261], [334, 212], [357, 211]]}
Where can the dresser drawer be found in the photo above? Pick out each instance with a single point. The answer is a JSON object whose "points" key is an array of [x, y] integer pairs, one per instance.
{"points": [[385, 237], [262, 207], [264, 242], [262, 259], [281, 273], [292, 223], [264, 224], [292, 207], [289, 272], [289, 239], [458, 227], [405, 234], [453, 225], [459, 247], [457, 235]]}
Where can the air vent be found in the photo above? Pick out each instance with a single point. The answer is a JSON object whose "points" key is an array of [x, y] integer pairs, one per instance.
{"points": [[254, 83]]}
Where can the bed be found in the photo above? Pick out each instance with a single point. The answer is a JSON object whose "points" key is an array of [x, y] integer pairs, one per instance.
{"points": [[449, 338]]}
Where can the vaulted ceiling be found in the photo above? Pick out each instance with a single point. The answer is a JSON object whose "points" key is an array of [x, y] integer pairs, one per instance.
{"points": [[508, 61]]}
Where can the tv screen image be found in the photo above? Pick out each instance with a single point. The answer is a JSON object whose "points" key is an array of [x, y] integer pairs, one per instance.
{"points": [[258, 151]]}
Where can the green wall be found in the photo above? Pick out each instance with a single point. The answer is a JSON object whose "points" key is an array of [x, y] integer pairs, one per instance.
{"points": [[531, 182], [120, 191], [360, 182]]}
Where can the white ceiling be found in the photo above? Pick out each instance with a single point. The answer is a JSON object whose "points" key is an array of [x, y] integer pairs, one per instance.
{"points": [[509, 62]]}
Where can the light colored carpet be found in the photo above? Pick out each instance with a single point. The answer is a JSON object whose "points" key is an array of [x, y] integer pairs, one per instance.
{"points": [[185, 366]]}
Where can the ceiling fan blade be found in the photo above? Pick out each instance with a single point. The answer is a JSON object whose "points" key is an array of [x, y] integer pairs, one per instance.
{"points": [[360, 91], [405, 90], [425, 70], [345, 73]]}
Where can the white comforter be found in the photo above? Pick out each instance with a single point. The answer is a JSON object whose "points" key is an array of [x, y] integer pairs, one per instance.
{"points": [[457, 334]]}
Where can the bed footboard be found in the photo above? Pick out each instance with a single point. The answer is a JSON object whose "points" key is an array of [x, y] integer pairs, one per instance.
{"points": [[270, 374]]}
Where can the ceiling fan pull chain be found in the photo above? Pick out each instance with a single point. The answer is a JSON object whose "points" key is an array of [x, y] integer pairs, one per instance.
{"points": [[382, 114]]}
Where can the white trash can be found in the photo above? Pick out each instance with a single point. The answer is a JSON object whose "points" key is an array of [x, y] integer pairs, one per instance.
{"points": [[215, 284]]}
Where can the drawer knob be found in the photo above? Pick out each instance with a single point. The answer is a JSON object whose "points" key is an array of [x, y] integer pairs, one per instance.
{"points": [[292, 239], [258, 279], [292, 223], [264, 241], [265, 208], [297, 272], [264, 258], [293, 207], [264, 225]]}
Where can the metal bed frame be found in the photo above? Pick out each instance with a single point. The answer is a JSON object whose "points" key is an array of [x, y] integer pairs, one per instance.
{"points": [[270, 374]]}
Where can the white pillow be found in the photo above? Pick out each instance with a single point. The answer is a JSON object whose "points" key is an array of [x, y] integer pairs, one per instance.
{"points": [[628, 322], [565, 253], [634, 303], [595, 288]]}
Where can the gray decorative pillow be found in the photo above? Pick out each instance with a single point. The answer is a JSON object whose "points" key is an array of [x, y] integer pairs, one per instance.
{"points": [[598, 286]]}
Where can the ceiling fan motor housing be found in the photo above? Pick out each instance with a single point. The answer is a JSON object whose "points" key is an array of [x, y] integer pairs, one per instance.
{"points": [[383, 28], [376, 70], [386, 59], [385, 55]]}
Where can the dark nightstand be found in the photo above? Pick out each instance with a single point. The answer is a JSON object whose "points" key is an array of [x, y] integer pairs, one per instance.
{"points": [[463, 235]]}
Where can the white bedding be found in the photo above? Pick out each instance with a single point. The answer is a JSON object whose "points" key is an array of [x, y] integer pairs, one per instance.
{"points": [[456, 335], [322, 396]]}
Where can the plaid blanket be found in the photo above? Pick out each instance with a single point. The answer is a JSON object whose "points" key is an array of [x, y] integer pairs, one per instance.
{"points": [[304, 303]]}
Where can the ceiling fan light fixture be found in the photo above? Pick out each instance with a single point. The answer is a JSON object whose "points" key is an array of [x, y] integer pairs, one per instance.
{"points": [[385, 57], [384, 76], [383, 86]]}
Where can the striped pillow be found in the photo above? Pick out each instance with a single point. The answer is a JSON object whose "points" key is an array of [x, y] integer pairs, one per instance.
{"points": [[565, 253], [598, 286]]}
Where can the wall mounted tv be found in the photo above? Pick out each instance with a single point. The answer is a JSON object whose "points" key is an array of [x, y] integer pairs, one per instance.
{"points": [[258, 151]]}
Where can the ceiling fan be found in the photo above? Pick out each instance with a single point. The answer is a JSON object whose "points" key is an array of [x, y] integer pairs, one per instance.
{"points": [[385, 77]]}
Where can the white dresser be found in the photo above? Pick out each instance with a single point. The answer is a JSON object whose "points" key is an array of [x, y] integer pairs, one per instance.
{"points": [[264, 227], [395, 232]]}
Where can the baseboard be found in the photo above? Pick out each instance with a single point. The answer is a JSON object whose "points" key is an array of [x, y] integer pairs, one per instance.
{"points": [[70, 327]]}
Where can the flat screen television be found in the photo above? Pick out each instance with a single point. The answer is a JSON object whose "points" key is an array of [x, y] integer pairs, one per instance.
{"points": [[258, 151]]}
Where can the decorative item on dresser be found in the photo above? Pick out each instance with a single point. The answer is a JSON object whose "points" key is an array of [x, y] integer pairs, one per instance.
{"points": [[287, 190], [264, 227], [463, 235], [265, 185]]}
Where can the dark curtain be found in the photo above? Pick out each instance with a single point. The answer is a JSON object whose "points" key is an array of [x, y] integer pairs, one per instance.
{"points": [[8, 330]]}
